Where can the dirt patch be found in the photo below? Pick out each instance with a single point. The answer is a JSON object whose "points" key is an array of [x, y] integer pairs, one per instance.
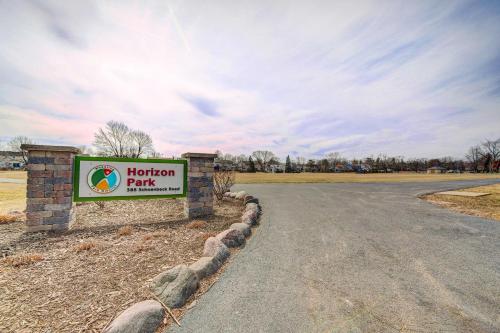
{"points": [[78, 281], [485, 206]]}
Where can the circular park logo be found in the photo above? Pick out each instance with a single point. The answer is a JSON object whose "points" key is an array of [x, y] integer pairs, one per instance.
{"points": [[103, 179]]}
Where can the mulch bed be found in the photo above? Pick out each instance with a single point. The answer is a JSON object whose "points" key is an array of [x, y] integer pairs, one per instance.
{"points": [[80, 280]]}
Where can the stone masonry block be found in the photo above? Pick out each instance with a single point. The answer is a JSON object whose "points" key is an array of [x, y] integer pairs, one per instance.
{"points": [[58, 154], [40, 160], [36, 181], [62, 194], [63, 161], [58, 167], [35, 194], [57, 206], [65, 174], [41, 200], [39, 174], [30, 208], [63, 200], [40, 214], [36, 167], [36, 228], [55, 220]]}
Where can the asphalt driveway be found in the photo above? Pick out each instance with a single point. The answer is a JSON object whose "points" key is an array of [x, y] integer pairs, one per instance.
{"points": [[357, 258]]}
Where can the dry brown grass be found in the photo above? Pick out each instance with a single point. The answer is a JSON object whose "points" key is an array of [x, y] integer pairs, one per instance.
{"points": [[487, 206], [4, 219], [197, 224], [22, 259], [85, 246], [308, 177], [125, 231], [14, 174]]}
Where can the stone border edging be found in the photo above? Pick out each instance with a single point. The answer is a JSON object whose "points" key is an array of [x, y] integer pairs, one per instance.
{"points": [[174, 286]]}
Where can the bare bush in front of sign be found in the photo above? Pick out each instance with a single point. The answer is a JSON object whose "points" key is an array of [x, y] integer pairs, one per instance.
{"points": [[223, 180]]}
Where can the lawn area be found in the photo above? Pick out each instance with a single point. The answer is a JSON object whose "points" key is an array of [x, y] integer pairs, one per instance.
{"points": [[306, 177], [13, 174], [12, 197], [487, 206]]}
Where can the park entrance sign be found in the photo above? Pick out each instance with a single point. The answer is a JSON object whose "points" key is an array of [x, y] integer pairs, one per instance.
{"points": [[109, 178]]}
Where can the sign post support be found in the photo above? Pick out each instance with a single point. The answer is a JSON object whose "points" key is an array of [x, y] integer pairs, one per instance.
{"points": [[49, 204], [200, 196]]}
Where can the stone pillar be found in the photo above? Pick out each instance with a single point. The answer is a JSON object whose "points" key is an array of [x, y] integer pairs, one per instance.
{"points": [[200, 193], [49, 199]]}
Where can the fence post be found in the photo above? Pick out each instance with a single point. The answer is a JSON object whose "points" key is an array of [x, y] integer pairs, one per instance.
{"points": [[49, 197], [200, 193]]}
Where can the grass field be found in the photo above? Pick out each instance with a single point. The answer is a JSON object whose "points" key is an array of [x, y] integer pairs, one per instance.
{"points": [[487, 206], [256, 178], [12, 196]]}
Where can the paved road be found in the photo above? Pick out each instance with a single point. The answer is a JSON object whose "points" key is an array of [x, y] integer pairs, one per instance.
{"points": [[357, 258]]}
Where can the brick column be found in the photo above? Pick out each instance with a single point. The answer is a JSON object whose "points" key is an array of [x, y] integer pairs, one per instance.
{"points": [[200, 193], [49, 202]]}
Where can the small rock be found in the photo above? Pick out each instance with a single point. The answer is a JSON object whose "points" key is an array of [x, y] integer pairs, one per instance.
{"points": [[240, 195], [250, 217], [205, 266], [227, 194], [216, 249], [231, 237], [242, 227], [142, 317], [252, 206], [173, 287], [248, 221], [251, 200]]}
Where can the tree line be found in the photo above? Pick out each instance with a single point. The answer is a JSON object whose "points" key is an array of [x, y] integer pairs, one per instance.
{"points": [[116, 139], [484, 157]]}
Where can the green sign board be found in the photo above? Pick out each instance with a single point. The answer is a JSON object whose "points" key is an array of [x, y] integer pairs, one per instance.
{"points": [[110, 178]]}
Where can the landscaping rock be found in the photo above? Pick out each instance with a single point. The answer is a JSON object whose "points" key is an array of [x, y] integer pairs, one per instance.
{"points": [[173, 287], [251, 200], [242, 227], [227, 194], [248, 221], [231, 237], [205, 266], [250, 217], [252, 206], [142, 317], [216, 249], [240, 195]]}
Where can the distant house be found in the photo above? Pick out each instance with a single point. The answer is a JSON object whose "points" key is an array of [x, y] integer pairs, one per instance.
{"points": [[11, 160], [436, 169]]}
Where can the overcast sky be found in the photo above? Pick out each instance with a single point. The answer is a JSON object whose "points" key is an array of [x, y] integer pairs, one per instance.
{"points": [[412, 78]]}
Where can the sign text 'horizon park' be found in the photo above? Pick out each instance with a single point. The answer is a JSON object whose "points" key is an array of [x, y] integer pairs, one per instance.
{"points": [[110, 178]]}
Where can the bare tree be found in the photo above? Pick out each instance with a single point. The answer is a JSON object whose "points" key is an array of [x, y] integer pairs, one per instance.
{"points": [[493, 149], [334, 159], [301, 161], [15, 145], [118, 140], [474, 156], [263, 157], [223, 180], [140, 143]]}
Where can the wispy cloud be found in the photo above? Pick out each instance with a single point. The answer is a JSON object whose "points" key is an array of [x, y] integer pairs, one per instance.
{"points": [[307, 78]]}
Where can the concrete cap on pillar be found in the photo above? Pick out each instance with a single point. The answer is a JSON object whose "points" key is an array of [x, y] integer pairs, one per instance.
{"points": [[68, 149], [198, 155]]}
